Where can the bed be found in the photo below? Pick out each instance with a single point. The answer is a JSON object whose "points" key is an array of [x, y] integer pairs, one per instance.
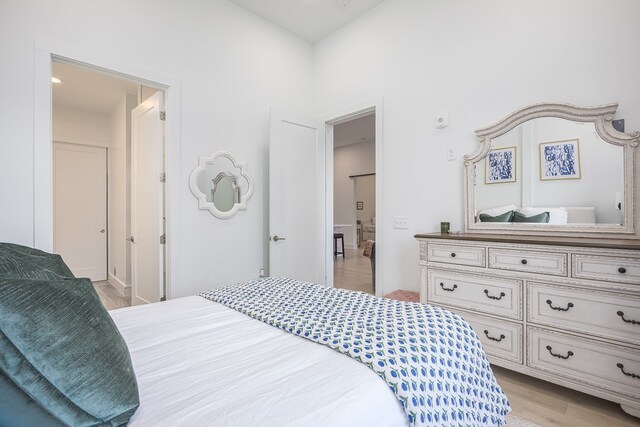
{"points": [[270, 352]]}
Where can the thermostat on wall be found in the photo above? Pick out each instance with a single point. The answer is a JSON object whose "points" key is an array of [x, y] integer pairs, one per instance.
{"points": [[442, 120]]}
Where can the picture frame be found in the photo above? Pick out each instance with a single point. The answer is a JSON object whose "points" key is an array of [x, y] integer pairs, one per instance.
{"points": [[560, 160], [501, 165], [360, 206]]}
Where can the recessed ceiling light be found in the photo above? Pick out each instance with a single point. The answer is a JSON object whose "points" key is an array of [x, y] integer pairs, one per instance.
{"points": [[55, 80]]}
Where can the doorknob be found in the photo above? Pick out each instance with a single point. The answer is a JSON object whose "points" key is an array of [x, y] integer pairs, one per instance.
{"points": [[276, 238], [131, 239], [102, 231]]}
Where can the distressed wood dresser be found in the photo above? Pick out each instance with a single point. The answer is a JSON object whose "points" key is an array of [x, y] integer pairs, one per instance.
{"points": [[566, 310]]}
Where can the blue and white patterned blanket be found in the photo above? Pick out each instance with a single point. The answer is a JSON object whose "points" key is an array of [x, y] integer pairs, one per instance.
{"points": [[430, 357]]}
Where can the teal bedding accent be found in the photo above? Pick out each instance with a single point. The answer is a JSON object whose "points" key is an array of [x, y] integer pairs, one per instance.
{"points": [[59, 346], [22, 262], [505, 217], [540, 218], [17, 409]]}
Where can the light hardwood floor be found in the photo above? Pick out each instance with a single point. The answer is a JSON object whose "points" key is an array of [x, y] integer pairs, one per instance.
{"points": [[110, 297], [353, 271], [538, 401]]}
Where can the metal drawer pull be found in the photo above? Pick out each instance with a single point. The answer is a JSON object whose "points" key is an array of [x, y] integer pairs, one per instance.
{"points": [[492, 338], [502, 294], [629, 374], [622, 270], [633, 322], [559, 356], [559, 308], [524, 262], [448, 289], [453, 254]]}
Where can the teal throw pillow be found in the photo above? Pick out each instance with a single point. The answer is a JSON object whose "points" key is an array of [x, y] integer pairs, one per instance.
{"points": [[62, 349], [540, 218], [505, 217]]}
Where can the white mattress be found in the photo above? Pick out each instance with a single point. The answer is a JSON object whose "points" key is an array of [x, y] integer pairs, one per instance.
{"points": [[200, 363]]}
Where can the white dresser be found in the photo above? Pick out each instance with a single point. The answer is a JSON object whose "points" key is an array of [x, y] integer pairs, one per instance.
{"points": [[566, 310]]}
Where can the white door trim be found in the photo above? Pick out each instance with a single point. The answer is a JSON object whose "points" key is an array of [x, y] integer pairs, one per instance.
{"points": [[330, 120], [44, 53]]}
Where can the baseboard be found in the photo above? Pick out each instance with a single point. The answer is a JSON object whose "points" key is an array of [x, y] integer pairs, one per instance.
{"points": [[123, 289]]}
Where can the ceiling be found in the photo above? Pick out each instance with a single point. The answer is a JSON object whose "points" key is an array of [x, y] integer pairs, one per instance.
{"points": [[355, 131], [310, 19], [87, 89]]}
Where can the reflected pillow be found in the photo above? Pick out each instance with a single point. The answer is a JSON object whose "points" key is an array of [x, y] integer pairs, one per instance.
{"points": [[62, 349], [505, 217], [556, 215], [499, 210], [540, 218]]}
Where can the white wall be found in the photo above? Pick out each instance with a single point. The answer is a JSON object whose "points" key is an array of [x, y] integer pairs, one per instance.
{"points": [[366, 193], [119, 194], [80, 126], [353, 159], [479, 61], [232, 65]]}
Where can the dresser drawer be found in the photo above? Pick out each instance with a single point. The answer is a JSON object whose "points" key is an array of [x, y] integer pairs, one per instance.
{"points": [[593, 362], [601, 313], [498, 296], [456, 254], [529, 261], [499, 338], [611, 269]]}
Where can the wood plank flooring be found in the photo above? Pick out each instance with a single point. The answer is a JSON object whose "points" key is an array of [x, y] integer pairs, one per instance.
{"points": [[353, 271], [110, 297]]}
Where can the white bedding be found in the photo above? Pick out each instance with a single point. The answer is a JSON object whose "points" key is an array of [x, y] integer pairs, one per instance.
{"points": [[200, 363]]}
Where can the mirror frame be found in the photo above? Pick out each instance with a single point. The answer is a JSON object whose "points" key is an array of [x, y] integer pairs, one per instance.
{"points": [[203, 161], [602, 118]]}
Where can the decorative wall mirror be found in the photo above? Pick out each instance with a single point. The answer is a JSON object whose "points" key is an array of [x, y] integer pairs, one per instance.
{"points": [[221, 184], [553, 168]]}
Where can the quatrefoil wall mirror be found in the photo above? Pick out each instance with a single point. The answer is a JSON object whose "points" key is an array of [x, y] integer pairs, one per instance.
{"points": [[221, 184]]}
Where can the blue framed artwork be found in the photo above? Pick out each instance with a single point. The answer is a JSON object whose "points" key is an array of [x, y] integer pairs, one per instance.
{"points": [[501, 166], [560, 160]]}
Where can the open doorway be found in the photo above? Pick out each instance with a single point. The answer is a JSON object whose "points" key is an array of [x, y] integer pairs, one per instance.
{"points": [[108, 182], [354, 203]]}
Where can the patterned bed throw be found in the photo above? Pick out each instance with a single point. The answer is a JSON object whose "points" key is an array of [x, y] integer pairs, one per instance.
{"points": [[430, 357]]}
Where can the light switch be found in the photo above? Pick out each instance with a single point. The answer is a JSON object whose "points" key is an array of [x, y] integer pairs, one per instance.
{"points": [[401, 222]]}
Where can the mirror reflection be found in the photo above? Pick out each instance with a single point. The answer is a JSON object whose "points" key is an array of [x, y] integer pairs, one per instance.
{"points": [[551, 171], [221, 184]]}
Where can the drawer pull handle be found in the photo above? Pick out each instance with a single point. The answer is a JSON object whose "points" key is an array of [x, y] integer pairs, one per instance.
{"points": [[448, 289], [492, 338], [622, 270], [633, 322], [559, 308], [559, 356], [502, 294], [524, 262], [629, 374], [453, 254]]}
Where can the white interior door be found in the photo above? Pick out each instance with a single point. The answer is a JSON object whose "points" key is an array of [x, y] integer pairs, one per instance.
{"points": [[80, 208], [296, 199], [147, 201]]}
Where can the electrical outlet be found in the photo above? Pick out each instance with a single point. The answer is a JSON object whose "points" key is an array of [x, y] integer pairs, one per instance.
{"points": [[451, 153], [401, 222]]}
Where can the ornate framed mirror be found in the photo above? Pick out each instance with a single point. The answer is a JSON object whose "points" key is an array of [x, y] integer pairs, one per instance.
{"points": [[221, 184], [553, 168]]}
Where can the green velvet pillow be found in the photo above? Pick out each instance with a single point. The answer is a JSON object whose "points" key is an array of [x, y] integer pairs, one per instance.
{"points": [[505, 217], [61, 348], [541, 218], [17, 409], [22, 262]]}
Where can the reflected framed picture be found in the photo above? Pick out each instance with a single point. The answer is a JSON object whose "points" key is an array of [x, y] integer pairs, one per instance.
{"points": [[359, 206], [560, 160], [500, 166]]}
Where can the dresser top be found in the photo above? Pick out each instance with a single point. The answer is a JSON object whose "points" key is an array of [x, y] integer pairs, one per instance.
{"points": [[585, 242]]}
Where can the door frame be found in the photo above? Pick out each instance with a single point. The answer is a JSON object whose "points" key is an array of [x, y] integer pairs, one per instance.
{"points": [[346, 114], [45, 53]]}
